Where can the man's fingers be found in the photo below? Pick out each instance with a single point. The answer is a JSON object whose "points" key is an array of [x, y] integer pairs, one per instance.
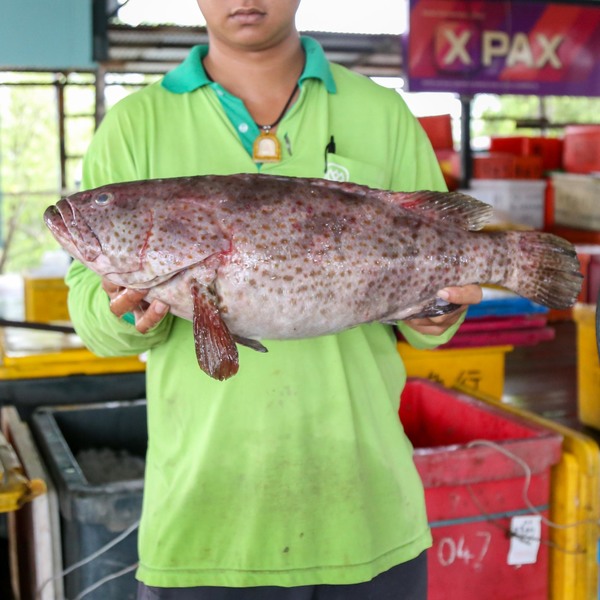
{"points": [[110, 288], [151, 316], [125, 301], [466, 294]]}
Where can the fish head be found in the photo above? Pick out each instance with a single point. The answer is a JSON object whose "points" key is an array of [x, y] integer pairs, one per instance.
{"points": [[106, 228], [140, 234]]}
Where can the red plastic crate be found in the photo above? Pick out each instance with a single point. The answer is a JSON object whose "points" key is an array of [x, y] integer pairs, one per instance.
{"points": [[473, 492], [529, 167], [574, 235], [549, 150], [513, 144], [582, 149], [494, 165], [504, 165], [439, 131]]}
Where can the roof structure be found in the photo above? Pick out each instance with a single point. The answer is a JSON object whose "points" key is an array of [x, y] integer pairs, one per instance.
{"points": [[159, 48]]}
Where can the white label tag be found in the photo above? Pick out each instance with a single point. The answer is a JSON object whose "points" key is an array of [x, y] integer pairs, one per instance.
{"points": [[525, 540]]}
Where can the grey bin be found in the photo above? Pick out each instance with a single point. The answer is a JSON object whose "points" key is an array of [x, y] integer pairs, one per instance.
{"points": [[94, 514]]}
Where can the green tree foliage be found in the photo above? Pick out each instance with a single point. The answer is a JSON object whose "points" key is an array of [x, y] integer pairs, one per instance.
{"points": [[29, 173], [505, 115], [30, 177]]}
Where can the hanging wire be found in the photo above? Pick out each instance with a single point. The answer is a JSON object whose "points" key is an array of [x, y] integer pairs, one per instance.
{"points": [[90, 558], [525, 495]]}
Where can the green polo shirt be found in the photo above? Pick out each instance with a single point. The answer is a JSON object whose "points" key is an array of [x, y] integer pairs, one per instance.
{"points": [[297, 470]]}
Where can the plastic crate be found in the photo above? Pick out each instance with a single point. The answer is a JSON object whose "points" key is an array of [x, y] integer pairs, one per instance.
{"points": [[574, 542], [550, 150], [504, 304], [94, 514], [439, 131], [474, 493], [504, 165], [588, 365], [575, 235], [582, 148], [494, 165], [65, 363], [515, 200], [30, 354], [576, 200], [45, 299], [480, 369]]}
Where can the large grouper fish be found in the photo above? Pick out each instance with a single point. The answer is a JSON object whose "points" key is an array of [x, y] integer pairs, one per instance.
{"points": [[249, 257]]}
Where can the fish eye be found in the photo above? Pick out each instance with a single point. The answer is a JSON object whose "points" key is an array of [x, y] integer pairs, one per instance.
{"points": [[103, 198]]}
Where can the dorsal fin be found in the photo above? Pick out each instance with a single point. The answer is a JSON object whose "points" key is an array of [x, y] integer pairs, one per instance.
{"points": [[462, 210], [455, 207]]}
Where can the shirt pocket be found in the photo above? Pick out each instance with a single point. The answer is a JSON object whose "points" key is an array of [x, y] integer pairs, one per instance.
{"points": [[342, 168]]}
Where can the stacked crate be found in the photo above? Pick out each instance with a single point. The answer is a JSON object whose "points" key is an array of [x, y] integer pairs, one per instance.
{"points": [[512, 177], [439, 131]]}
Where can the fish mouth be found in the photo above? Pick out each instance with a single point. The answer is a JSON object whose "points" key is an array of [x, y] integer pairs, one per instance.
{"points": [[73, 233]]}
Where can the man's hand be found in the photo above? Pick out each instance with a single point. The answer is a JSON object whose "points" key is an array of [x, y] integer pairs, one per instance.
{"points": [[463, 296], [124, 300]]}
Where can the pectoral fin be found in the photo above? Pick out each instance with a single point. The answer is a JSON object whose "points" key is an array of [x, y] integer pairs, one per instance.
{"points": [[215, 347], [253, 344]]}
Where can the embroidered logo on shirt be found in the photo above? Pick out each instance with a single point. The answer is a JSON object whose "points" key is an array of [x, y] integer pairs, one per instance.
{"points": [[337, 172]]}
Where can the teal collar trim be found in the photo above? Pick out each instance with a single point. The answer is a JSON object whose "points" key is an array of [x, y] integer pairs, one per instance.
{"points": [[316, 65], [190, 74]]}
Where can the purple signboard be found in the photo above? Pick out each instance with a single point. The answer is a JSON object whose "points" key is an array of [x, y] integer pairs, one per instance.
{"points": [[503, 47]]}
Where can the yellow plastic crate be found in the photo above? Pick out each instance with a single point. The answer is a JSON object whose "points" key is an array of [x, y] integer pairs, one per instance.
{"points": [[26, 354], [67, 362], [479, 369], [45, 299], [574, 510], [588, 365]]}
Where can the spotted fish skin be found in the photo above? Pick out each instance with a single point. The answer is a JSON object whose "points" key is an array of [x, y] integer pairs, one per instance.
{"points": [[252, 257]]}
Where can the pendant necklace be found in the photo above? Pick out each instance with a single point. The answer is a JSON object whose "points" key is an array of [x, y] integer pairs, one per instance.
{"points": [[266, 147]]}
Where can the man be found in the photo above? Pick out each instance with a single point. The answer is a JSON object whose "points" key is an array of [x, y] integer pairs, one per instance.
{"points": [[293, 479]]}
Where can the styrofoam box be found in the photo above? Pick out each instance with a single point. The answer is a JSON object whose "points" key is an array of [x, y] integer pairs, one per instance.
{"points": [[576, 200], [515, 200]]}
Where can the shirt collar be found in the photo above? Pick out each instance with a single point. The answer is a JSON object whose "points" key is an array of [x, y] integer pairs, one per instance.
{"points": [[190, 74]]}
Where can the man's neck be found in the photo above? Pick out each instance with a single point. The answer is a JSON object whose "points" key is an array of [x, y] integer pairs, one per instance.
{"points": [[274, 67], [263, 78]]}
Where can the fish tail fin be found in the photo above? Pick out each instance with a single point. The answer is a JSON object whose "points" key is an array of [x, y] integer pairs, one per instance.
{"points": [[548, 270]]}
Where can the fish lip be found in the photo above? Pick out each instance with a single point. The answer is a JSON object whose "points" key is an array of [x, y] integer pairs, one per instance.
{"points": [[62, 220], [57, 226]]}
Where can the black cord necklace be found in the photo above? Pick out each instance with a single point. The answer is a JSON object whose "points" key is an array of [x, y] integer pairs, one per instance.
{"points": [[266, 147]]}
